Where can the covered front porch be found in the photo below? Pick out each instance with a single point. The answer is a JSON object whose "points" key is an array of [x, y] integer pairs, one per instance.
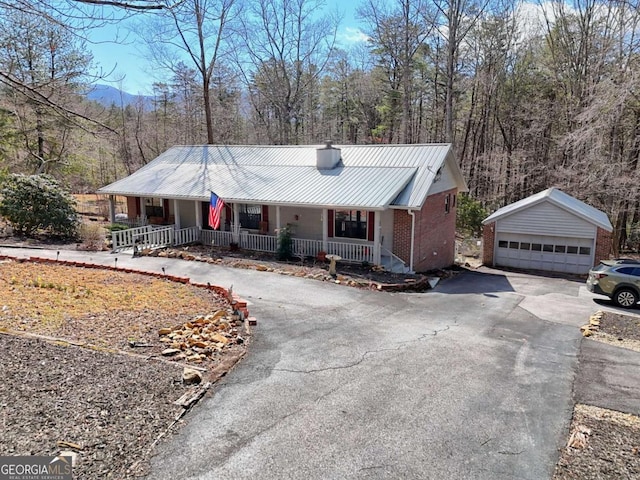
{"points": [[314, 231]]}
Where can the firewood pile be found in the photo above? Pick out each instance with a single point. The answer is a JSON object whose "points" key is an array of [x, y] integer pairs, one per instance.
{"points": [[203, 337]]}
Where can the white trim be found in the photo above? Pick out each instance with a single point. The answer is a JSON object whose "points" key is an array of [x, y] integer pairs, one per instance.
{"points": [[176, 214], [413, 233], [376, 238], [325, 228], [198, 205]]}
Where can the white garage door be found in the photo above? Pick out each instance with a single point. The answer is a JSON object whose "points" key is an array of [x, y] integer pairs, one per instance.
{"points": [[554, 254]]}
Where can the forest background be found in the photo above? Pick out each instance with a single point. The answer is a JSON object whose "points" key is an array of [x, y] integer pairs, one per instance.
{"points": [[531, 94]]}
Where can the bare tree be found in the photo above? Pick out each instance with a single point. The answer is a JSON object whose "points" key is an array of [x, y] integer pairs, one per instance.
{"points": [[285, 49], [196, 31], [49, 62]]}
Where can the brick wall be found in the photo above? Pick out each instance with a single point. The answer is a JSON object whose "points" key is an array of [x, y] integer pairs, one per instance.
{"points": [[402, 234], [435, 233], [488, 239], [604, 241]]}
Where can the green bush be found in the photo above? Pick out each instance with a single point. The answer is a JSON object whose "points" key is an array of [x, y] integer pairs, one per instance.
{"points": [[285, 244], [469, 216], [116, 227], [38, 204]]}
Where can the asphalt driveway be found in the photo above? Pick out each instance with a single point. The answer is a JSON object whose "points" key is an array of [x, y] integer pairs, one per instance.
{"points": [[470, 380]]}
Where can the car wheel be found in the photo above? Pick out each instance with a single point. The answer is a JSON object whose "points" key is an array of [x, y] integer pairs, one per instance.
{"points": [[625, 297]]}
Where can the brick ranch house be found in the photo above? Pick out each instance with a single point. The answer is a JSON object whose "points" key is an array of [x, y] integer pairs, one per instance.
{"points": [[390, 205]]}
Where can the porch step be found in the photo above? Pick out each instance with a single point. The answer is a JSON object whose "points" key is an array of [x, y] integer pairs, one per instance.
{"points": [[394, 265]]}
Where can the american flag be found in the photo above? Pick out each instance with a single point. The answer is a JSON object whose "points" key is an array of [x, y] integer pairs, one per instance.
{"points": [[215, 209]]}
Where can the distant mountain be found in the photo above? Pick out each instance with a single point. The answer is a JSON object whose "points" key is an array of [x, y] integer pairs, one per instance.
{"points": [[107, 95]]}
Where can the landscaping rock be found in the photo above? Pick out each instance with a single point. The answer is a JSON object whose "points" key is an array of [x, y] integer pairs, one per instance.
{"points": [[191, 376]]}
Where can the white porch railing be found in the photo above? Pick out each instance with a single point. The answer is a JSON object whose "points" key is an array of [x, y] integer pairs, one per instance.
{"points": [[156, 237], [306, 248], [186, 235], [351, 252], [125, 238], [258, 243], [216, 238], [153, 237]]}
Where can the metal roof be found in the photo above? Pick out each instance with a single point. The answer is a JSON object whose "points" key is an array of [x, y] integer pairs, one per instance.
{"points": [[562, 200], [372, 177]]}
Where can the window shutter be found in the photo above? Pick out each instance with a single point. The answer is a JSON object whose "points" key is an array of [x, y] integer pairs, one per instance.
{"points": [[265, 213], [165, 208], [138, 207], [370, 226], [331, 223], [227, 214]]}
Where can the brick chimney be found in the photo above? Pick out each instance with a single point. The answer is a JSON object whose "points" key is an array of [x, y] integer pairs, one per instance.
{"points": [[327, 157]]}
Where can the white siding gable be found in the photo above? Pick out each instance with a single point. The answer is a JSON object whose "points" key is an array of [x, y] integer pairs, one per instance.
{"points": [[445, 182], [546, 218]]}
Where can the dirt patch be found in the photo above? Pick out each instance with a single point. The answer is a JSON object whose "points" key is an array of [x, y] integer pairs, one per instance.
{"points": [[603, 444], [621, 326], [81, 364]]}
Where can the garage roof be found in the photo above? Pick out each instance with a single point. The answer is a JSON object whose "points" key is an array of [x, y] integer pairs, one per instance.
{"points": [[559, 198]]}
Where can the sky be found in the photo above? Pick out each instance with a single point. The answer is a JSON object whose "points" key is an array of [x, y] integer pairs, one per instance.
{"points": [[130, 71]]}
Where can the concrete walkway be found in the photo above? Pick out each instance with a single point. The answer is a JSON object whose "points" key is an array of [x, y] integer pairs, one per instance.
{"points": [[471, 380]]}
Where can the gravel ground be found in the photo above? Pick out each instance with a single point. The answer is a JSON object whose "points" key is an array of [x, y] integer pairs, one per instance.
{"points": [[110, 408]]}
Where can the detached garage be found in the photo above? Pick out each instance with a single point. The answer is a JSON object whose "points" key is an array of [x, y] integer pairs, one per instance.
{"points": [[549, 231]]}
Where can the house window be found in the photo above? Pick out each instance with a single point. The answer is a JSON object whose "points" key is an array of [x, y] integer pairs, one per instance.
{"points": [[250, 216], [153, 207], [447, 203], [351, 224]]}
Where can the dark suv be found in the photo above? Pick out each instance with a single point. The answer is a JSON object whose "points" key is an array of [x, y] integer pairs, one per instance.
{"points": [[617, 279]]}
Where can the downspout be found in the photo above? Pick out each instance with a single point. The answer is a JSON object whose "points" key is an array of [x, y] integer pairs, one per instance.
{"points": [[413, 232]]}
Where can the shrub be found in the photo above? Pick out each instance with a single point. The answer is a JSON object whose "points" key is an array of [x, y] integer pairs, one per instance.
{"points": [[116, 227], [33, 203], [469, 216], [93, 236], [285, 244]]}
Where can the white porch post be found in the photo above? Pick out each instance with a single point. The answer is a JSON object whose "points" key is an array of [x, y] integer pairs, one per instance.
{"points": [[112, 208], [198, 214], [235, 228], [376, 238], [277, 217], [143, 208], [325, 229], [176, 214]]}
